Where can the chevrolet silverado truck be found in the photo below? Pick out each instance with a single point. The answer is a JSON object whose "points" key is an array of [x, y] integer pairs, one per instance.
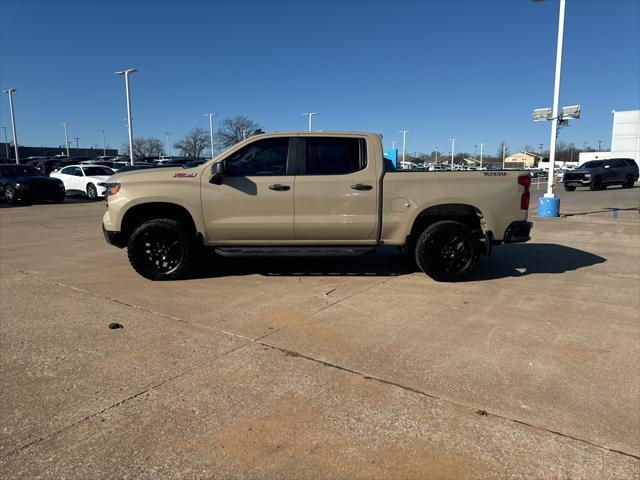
{"points": [[307, 193]]}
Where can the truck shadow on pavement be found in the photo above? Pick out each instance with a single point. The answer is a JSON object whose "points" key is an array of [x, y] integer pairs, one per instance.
{"points": [[522, 259], [387, 263], [506, 261]]}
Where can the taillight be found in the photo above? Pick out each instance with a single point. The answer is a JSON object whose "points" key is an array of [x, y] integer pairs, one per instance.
{"points": [[525, 181]]}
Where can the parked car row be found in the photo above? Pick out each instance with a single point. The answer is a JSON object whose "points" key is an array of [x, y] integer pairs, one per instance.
{"points": [[55, 178]]}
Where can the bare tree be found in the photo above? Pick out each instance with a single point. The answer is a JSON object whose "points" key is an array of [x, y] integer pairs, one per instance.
{"points": [[193, 143], [527, 148], [502, 145], [235, 129], [145, 147]]}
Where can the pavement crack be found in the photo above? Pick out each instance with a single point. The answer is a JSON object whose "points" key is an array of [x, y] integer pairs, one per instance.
{"points": [[149, 387], [292, 353], [478, 411], [326, 307]]}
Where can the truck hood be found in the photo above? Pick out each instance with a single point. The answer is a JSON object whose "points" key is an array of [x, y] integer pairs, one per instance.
{"points": [[152, 174]]}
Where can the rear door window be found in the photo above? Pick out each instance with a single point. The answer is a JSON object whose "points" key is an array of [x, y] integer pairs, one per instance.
{"points": [[619, 163], [70, 170], [334, 155]]}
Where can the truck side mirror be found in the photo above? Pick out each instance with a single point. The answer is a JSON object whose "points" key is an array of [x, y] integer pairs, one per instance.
{"points": [[217, 172]]}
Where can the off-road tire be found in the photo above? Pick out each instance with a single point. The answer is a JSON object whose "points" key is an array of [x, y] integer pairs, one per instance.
{"points": [[92, 192], [162, 249], [446, 251]]}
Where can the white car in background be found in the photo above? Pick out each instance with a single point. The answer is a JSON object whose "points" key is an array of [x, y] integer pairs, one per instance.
{"points": [[84, 179]]}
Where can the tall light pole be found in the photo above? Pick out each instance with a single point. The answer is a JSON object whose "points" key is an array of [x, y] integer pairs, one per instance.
{"points": [[481, 150], [504, 150], [393, 144], [168, 134], [453, 147], [77, 142], [556, 99], [66, 136], [310, 115], [126, 72], [6, 143], [210, 115], [104, 144], [404, 145], [10, 91], [436, 155]]}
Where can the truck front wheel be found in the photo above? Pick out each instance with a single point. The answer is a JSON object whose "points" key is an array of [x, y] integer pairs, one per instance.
{"points": [[161, 249], [446, 251]]}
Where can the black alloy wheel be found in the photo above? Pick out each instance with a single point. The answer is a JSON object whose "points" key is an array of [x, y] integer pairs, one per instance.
{"points": [[161, 249], [446, 251]]}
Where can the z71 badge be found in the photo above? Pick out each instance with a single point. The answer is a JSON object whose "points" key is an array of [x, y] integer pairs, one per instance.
{"points": [[184, 175]]}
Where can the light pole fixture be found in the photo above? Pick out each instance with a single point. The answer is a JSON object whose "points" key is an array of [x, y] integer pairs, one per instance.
{"points": [[9, 91], [211, 115], [126, 72], [453, 147], [404, 145], [481, 151], [549, 205], [310, 115], [66, 136], [104, 144]]}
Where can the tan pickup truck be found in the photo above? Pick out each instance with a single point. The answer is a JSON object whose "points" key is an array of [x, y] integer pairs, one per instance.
{"points": [[306, 193]]}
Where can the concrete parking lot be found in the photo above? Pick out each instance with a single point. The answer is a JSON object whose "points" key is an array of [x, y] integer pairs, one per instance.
{"points": [[356, 368]]}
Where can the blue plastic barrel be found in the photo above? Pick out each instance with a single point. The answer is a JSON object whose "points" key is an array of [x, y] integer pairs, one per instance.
{"points": [[549, 207]]}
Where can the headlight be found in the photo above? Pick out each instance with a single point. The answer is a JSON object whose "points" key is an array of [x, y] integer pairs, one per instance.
{"points": [[112, 188]]}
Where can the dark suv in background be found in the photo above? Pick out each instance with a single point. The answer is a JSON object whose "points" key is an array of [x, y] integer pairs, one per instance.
{"points": [[599, 174]]}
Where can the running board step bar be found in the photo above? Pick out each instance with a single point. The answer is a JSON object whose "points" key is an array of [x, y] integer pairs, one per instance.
{"points": [[293, 251]]}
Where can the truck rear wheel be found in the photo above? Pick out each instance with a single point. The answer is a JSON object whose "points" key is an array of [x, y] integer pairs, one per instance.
{"points": [[162, 249], [446, 251]]}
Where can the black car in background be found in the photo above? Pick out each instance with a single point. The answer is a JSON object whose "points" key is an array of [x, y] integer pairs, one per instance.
{"points": [[47, 165], [25, 183], [599, 174]]}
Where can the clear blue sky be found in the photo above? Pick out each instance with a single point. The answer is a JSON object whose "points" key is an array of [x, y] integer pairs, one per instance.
{"points": [[473, 70]]}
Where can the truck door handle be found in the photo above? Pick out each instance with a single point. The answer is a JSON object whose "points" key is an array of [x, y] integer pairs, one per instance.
{"points": [[361, 186], [278, 187]]}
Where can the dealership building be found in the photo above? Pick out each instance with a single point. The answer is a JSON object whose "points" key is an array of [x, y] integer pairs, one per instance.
{"points": [[625, 138]]}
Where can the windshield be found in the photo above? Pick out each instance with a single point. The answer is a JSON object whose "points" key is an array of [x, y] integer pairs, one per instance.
{"points": [[13, 171], [593, 164], [94, 171]]}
